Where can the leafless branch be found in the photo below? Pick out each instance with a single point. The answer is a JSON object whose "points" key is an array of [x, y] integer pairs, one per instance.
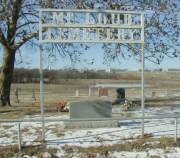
{"points": [[25, 39]]}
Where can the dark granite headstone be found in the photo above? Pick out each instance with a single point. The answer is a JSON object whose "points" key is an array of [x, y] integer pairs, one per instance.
{"points": [[90, 109], [120, 96], [120, 93]]}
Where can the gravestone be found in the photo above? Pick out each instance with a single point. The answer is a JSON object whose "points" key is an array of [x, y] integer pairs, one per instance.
{"points": [[90, 109], [120, 93], [121, 96], [103, 92]]}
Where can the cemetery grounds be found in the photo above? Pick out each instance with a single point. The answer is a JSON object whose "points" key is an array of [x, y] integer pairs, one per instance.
{"points": [[123, 141]]}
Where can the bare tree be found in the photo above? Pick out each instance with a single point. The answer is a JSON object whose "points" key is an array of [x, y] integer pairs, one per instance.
{"points": [[19, 26], [162, 31]]}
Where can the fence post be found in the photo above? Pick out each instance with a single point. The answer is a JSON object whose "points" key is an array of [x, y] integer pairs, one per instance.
{"points": [[77, 93], [16, 93], [175, 134], [19, 136], [33, 95], [42, 92], [89, 91]]}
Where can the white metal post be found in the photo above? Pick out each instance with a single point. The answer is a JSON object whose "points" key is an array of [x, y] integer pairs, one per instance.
{"points": [[142, 87], [19, 136], [41, 78], [77, 92], [175, 134], [98, 91], [89, 91], [87, 24], [42, 93], [142, 73]]}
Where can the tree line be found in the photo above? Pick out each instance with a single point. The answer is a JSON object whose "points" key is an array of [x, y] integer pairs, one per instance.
{"points": [[22, 75]]}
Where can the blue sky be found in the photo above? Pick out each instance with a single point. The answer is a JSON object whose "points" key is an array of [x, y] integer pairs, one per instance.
{"points": [[30, 58]]}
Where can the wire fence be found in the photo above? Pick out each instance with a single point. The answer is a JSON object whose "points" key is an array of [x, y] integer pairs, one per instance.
{"points": [[20, 122], [32, 95]]}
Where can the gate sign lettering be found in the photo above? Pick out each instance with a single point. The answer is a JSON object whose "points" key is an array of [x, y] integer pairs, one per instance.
{"points": [[90, 26]]}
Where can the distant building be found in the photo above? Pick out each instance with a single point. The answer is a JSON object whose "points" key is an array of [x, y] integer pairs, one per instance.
{"points": [[173, 70], [108, 70], [101, 71], [158, 70], [118, 70], [147, 70], [36, 80]]}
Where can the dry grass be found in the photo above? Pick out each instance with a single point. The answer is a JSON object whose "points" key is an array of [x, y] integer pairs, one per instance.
{"points": [[65, 89], [137, 145], [91, 152], [58, 131], [10, 151]]}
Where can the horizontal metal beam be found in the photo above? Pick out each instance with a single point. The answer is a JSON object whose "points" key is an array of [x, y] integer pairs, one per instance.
{"points": [[171, 116], [91, 11], [118, 26], [118, 85], [89, 41]]}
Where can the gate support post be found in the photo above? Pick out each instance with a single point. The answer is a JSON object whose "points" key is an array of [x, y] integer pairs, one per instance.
{"points": [[42, 94], [19, 136], [142, 74], [176, 127]]}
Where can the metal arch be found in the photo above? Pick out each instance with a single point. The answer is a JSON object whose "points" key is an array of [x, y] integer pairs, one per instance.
{"points": [[60, 20], [91, 11], [113, 26]]}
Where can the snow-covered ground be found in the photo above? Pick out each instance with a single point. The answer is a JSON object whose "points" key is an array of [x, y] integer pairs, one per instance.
{"points": [[152, 153], [58, 137]]}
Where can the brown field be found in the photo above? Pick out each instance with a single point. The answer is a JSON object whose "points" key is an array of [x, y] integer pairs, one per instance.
{"points": [[160, 82]]}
